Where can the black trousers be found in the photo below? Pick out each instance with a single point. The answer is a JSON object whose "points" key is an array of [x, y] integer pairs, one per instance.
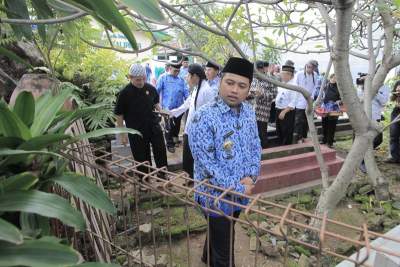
{"points": [[187, 158], [284, 128], [272, 113], [262, 132], [378, 139], [140, 147], [395, 135], [222, 243], [300, 125], [172, 130], [328, 129]]}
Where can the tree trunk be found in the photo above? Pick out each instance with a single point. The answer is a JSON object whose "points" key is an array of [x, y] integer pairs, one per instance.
{"points": [[379, 182]]}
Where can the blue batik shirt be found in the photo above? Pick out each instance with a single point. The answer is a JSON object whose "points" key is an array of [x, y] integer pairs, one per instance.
{"points": [[214, 84], [183, 72], [225, 148], [172, 90]]}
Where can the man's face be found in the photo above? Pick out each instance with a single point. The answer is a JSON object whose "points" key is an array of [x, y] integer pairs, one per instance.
{"points": [[286, 76], [234, 89], [265, 69], [174, 71], [137, 81], [185, 64], [211, 73]]}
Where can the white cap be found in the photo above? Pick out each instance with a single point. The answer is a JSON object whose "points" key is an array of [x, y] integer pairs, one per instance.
{"points": [[137, 70]]}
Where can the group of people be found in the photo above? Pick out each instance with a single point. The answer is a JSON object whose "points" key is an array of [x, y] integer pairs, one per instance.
{"points": [[228, 111]]}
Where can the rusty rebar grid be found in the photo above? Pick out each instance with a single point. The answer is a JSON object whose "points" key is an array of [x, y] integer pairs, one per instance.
{"points": [[171, 187]]}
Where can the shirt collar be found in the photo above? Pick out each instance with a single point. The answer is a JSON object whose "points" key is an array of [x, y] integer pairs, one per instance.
{"points": [[224, 108], [214, 81]]}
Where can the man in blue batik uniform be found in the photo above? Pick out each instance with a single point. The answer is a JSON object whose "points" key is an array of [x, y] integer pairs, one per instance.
{"points": [[224, 141], [212, 71], [173, 92]]}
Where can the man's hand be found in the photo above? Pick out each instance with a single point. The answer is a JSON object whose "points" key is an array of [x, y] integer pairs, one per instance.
{"points": [[282, 114], [124, 138], [248, 189], [247, 181]]}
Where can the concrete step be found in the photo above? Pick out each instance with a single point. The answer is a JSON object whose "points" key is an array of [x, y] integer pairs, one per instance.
{"points": [[294, 176], [295, 161]]}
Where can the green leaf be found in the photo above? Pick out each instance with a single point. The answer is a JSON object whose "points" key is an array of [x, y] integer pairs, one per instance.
{"points": [[107, 10], [49, 106], [42, 102], [38, 253], [11, 125], [65, 119], [17, 9], [10, 142], [43, 11], [147, 8], [102, 132], [11, 55], [59, 6], [95, 264], [24, 107], [14, 156], [13, 152], [43, 141], [84, 189], [45, 204], [10, 233], [87, 7], [33, 225], [21, 181]]}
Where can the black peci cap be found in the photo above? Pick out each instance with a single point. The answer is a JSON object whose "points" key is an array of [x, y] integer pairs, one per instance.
{"points": [[212, 65], [239, 66]]}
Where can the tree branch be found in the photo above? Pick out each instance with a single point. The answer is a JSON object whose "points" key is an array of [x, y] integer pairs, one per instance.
{"points": [[44, 21]]}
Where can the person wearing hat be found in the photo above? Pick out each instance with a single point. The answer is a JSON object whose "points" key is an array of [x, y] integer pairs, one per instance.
{"points": [[135, 105], [184, 69], [212, 71], [262, 94], [173, 92], [201, 93], [265, 67], [309, 81], [226, 150], [285, 107]]}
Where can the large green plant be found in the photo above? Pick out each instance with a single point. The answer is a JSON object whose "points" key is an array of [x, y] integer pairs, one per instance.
{"points": [[32, 135]]}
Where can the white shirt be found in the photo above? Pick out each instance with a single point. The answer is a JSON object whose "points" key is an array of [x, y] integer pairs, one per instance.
{"points": [[206, 94], [308, 82], [285, 97], [378, 102]]}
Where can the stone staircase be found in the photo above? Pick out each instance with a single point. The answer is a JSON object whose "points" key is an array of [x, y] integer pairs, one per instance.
{"points": [[291, 165], [343, 127]]}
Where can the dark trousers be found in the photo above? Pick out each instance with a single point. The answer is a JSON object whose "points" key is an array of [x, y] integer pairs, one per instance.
{"points": [[187, 158], [262, 132], [395, 135], [328, 129], [221, 242], [300, 125], [140, 147], [172, 130], [284, 128], [272, 113]]}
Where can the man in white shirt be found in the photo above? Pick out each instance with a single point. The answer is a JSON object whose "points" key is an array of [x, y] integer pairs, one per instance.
{"points": [[201, 93], [309, 81], [285, 107]]}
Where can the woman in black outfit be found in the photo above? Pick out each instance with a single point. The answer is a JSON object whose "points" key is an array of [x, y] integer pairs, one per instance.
{"points": [[395, 127], [331, 103]]}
